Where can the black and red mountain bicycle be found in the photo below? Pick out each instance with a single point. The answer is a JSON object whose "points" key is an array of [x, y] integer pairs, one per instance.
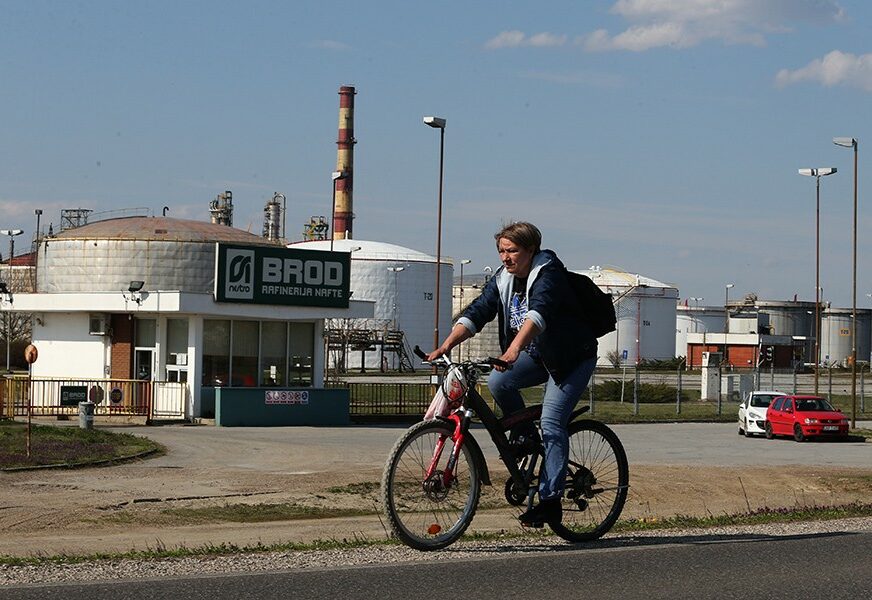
{"points": [[432, 480]]}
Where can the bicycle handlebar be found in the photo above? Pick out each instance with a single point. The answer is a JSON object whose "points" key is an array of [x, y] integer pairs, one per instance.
{"points": [[490, 361]]}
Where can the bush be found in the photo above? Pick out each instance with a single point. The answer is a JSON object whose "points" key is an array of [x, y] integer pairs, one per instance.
{"points": [[655, 393]]}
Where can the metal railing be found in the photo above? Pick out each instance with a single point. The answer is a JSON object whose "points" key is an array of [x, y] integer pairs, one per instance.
{"points": [[60, 397]]}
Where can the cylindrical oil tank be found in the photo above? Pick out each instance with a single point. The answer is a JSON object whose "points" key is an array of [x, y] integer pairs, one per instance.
{"points": [[793, 318], [695, 319], [836, 344], [402, 282], [646, 311], [165, 253]]}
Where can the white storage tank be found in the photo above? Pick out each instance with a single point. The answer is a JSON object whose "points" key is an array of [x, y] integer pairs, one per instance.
{"points": [[836, 346], [402, 282], [696, 319], [646, 311]]}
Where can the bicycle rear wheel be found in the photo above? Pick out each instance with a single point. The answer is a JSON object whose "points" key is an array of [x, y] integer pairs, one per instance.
{"points": [[423, 512], [597, 480]]}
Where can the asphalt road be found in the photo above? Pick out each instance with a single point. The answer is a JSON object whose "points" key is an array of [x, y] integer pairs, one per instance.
{"points": [[316, 449], [831, 565]]}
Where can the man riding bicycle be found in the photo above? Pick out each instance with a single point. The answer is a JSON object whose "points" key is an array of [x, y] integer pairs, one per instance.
{"points": [[544, 338]]}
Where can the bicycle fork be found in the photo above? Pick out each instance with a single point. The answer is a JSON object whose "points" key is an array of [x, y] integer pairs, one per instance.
{"points": [[461, 426]]}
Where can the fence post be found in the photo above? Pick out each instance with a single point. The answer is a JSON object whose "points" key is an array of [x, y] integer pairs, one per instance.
{"points": [[830, 382], [678, 390], [720, 387], [590, 388], [794, 381], [636, 391]]}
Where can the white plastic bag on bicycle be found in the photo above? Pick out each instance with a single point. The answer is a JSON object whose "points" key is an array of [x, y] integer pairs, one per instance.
{"points": [[449, 394], [438, 406]]}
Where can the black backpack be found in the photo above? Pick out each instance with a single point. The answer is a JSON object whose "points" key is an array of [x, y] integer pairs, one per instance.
{"points": [[596, 307]]}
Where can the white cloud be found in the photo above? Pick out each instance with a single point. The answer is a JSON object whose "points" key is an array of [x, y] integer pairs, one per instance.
{"points": [[836, 68], [686, 23], [518, 39]]}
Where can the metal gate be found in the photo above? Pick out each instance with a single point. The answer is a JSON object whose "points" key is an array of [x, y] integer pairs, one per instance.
{"points": [[170, 400]]}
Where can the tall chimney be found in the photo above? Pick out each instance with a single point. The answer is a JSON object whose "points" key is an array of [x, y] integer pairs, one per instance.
{"points": [[342, 208]]}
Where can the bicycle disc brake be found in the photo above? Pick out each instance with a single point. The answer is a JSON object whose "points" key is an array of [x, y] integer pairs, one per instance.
{"points": [[434, 488]]}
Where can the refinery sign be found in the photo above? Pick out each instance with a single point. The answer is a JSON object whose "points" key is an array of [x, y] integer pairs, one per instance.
{"points": [[264, 275]]}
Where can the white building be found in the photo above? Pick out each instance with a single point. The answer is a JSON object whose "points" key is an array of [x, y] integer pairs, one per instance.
{"points": [[182, 302]]}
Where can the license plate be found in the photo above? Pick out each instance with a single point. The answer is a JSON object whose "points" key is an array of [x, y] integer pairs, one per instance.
{"points": [[831, 427]]}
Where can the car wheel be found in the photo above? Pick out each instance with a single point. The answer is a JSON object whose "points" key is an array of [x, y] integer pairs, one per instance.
{"points": [[741, 431], [747, 433], [769, 434], [797, 433]]}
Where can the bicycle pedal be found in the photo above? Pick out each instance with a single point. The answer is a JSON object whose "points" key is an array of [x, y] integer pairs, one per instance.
{"points": [[534, 525]]}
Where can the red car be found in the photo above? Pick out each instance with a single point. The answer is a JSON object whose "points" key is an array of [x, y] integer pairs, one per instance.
{"points": [[804, 417]]}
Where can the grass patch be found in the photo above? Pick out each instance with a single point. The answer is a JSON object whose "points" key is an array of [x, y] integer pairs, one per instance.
{"points": [[66, 446], [367, 487], [258, 513], [760, 516]]}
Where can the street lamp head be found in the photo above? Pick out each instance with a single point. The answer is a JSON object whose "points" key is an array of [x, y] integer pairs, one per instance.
{"points": [[339, 175], [818, 172], [847, 142], [11, 232], [465, 261], [730, 285], [437, 122]]}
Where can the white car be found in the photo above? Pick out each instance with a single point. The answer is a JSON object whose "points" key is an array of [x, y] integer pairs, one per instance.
{"points": [[752, 411]]}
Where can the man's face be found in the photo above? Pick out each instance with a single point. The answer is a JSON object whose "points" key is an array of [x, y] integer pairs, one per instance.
{"points": [[516, 259]]}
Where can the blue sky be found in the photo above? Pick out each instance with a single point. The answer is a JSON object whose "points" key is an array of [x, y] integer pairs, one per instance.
{"points": [[662, 137]]}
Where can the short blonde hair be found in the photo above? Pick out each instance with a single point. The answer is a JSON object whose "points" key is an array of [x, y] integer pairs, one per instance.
{"points": [[522, 233]]}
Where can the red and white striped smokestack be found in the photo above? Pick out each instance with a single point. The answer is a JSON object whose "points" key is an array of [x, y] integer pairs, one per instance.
{"points": [[342, 208]]}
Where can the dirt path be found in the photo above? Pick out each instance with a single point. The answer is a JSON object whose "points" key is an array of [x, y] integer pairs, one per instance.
{"points": [[123, 507]]}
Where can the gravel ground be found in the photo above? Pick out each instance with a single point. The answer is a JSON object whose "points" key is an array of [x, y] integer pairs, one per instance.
{"points": [[283, 561]]}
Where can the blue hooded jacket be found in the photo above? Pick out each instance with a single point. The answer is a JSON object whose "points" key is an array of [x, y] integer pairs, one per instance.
{"points": [[564, 339]]}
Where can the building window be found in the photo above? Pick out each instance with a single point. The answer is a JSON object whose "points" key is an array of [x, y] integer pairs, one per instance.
{"points": [[243, 363], [274, 352], [216, 353], [301, 346]]}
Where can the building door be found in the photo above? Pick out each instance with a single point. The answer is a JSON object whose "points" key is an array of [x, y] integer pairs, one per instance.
{"points": [[143, 364]]}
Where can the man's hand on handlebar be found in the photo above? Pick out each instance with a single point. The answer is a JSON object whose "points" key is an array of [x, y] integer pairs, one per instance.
{"points": [[509, 357]]}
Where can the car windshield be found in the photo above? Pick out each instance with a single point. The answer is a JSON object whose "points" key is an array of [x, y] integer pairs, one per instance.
{"points": [[810, 404], [762, 400]]}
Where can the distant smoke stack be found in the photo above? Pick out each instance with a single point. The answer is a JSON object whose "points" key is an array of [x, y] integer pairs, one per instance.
{"points": [[342, 208], [221, 209]]}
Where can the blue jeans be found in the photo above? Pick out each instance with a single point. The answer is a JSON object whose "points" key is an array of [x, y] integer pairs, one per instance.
{"points": [[557, 406]]}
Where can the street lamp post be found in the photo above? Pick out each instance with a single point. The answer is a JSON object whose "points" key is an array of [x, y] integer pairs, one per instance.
{"points": [[727, 309], [438, 123], [463, 262], [11, 233], [817, 174], [336, 176], [850, 142]]}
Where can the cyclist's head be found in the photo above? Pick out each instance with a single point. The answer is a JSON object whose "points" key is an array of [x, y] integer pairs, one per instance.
{"points": [[523, 234]]}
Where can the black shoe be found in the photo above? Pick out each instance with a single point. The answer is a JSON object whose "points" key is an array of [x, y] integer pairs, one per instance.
{"points": [[547, 511]]}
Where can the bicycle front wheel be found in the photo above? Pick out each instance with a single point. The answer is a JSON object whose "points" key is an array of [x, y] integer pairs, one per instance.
{"points": [[422, 510], [597, 480]]}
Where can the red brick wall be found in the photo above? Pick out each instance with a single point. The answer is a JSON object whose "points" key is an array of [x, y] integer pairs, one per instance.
{"points": [[122, 347]]}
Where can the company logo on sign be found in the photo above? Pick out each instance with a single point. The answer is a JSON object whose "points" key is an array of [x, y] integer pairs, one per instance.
{"points": [[282, 276], [239, 279]]}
